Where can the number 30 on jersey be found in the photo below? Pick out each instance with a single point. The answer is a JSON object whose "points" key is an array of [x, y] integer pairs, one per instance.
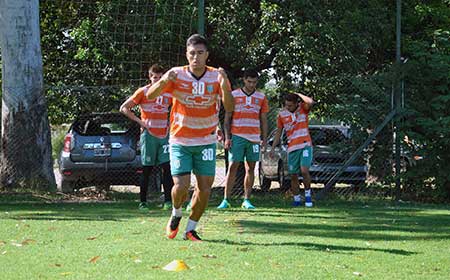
{"points": [[198, 88]]}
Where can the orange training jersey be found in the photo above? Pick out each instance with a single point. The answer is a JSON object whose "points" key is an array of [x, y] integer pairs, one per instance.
{"points": [[246, 115], [154, 112], [296, 127], [194, 115]]}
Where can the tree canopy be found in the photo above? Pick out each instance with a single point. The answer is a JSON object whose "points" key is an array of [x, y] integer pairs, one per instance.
{"points": [[342, 53]]}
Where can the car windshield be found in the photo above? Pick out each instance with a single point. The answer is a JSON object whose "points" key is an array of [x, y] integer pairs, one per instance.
{"points": [[326, 136]]}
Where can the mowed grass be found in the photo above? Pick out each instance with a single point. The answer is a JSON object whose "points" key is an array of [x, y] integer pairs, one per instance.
{"points": [[333, 240]]}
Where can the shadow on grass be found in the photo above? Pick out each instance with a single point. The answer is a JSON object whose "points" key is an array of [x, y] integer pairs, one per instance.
{"points": [[354, 230], [314, 246], [116, 211]]}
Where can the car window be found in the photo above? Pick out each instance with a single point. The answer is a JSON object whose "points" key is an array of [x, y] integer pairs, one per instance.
{"points": [[326, 136], [103, 125]]}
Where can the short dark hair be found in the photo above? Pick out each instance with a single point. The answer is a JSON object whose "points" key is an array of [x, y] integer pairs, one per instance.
{"points": [[196, 39], [250, 73], [291, 97], [156, 68]]}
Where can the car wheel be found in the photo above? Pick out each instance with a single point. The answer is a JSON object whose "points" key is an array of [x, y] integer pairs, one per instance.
{"points": [[358, 186], [264, 183], [65, 186], [103, 187], [284, 183]]}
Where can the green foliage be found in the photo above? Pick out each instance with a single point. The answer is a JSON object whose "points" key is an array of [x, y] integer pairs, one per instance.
{"points": [[96, 53], [428, 99], [342, 53], [58, 134]]}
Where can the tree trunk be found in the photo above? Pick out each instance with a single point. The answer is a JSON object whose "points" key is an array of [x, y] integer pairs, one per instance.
{"points": [[26, 154]]}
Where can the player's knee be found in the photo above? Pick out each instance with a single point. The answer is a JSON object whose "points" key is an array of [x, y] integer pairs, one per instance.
{"points": [[204, 191], [305, 172], [234, 166]]}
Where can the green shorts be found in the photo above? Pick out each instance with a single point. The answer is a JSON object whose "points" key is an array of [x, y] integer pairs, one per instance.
{"points": [[242, 149], [199, 159], [154, 150], [300, 158]]}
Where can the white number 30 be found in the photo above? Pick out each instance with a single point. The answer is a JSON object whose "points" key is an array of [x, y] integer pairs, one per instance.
{"points": [[208, 154]]}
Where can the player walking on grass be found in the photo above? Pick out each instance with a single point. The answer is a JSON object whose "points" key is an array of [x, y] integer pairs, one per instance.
{"points": [[154, 137], [196, 90], [243, 139], [294, 120]]}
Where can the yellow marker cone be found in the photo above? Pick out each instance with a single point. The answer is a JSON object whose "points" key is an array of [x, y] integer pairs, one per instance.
{"points": [[176, 265]]}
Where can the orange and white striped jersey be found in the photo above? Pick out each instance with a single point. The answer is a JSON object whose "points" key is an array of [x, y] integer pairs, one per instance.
{"points": [[296, 127], [154, 112], [195, 110], [246, 115]]}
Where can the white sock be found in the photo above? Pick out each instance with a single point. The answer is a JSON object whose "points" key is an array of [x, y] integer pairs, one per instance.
{"points": [[177, 212], [191, 225], [308, 192], [297, 197]]}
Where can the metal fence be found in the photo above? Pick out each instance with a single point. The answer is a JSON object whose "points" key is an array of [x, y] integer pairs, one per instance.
{"points": [[347, 158]]}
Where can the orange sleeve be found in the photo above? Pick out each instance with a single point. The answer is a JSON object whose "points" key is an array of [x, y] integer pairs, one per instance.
{"points": [[169, 87], [265, 105], [138, 95], [220, 88]]}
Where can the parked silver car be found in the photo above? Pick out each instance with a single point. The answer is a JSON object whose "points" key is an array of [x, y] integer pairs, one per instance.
{"points": [[100, 149], [331, 145]]}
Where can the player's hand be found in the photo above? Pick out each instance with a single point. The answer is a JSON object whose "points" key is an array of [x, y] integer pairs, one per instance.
{"points": [[170, 75], [143, 125], [227, 144], [219, 135], [263, 146], [271, 153]]}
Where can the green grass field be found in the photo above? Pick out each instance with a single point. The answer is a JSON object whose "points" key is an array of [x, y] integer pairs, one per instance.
{"points": [[334, 240]]}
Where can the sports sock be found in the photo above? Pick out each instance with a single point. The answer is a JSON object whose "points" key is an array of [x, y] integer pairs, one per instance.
{"points": [[297, 197], [177, 212], [191, 225], [308, 192]]}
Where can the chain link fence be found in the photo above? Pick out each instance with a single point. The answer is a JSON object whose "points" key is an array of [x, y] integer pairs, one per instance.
{"points": [[90, 73]]}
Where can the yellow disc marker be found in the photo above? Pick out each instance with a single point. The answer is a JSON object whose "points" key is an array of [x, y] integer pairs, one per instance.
{"points": [[176, 265]]}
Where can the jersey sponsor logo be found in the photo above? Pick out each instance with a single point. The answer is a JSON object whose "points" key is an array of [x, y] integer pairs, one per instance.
{"points": [[201, 100]]}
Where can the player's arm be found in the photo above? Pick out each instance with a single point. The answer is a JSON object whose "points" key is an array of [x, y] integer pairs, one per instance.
{"points": [[308, 101], [156, 89], [227, 129], [264, 129], [126, 107], [227, 97]]}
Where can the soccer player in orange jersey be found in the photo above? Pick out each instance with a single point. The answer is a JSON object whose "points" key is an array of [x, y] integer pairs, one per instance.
{"points": [[197, 90], [243, 137], [154, 138], [294, 120]]}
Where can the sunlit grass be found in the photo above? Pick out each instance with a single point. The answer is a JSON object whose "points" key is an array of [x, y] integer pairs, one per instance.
{"points": [[334, 240]]}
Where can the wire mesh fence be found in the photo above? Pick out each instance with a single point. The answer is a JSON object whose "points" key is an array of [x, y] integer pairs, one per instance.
{"points": [[97, 53]]}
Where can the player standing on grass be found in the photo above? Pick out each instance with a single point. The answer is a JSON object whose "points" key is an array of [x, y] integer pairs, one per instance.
{"points": [[154, 138], [248, 123], [294, 119], [197, 90]]}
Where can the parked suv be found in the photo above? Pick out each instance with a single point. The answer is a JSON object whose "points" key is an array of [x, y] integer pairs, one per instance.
{"points": [[331, 148], [100, 149]]}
